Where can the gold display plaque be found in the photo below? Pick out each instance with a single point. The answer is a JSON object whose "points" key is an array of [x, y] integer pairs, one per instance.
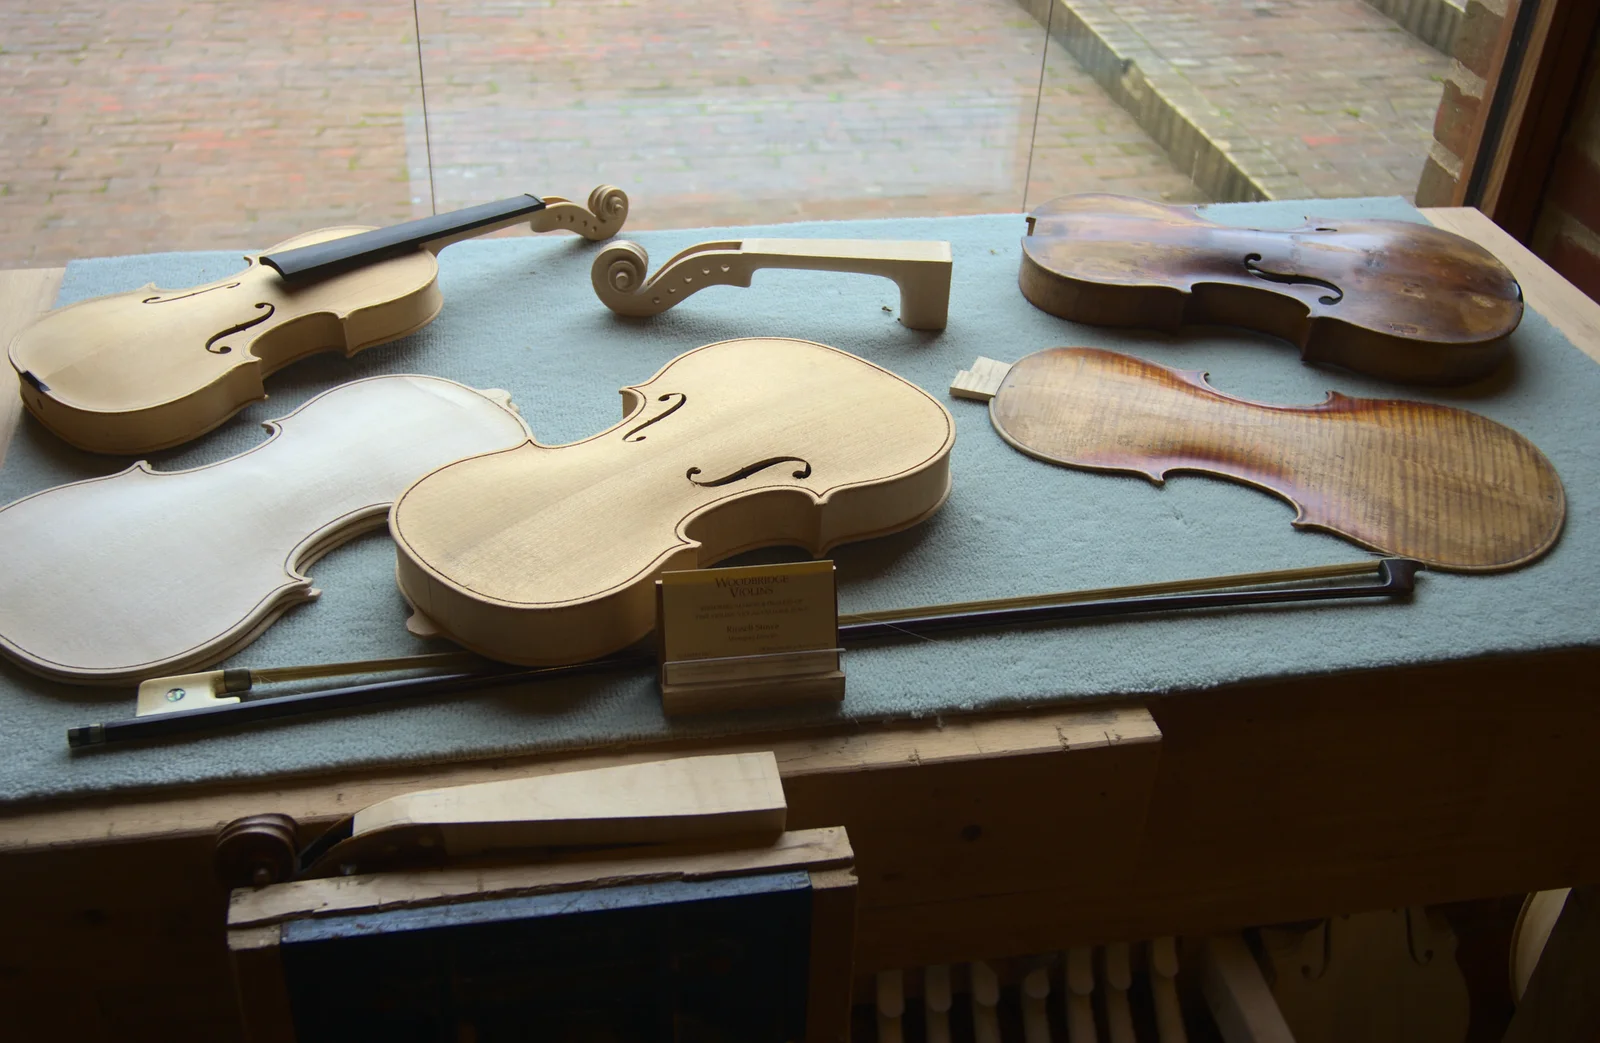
{"points": [[757, 635], [749, 610]]}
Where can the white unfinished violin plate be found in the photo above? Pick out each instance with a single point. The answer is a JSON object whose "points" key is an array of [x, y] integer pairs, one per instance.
{"points": [[145, 572]]}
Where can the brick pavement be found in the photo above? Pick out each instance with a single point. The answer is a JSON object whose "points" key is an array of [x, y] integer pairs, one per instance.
{"points": [[158, 125], [768, 110], [171, 124], [181, 124], [1308, 98]]}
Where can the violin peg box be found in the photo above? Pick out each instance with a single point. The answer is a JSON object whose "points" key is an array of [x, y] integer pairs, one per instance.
{"points": [[751, 682]]}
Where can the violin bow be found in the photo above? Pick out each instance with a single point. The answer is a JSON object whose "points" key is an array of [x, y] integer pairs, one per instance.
{"points": [[1394, 578]]}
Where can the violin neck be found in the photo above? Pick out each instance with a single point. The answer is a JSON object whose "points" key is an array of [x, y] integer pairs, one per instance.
{"points": [[320, 260]]}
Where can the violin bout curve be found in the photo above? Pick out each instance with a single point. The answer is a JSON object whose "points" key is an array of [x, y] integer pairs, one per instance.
{"points": [[1450, 488], [547, 555], [1393, 299]]}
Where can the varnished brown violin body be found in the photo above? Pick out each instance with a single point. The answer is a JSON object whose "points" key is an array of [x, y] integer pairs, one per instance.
{"points": [[1396, 300]]}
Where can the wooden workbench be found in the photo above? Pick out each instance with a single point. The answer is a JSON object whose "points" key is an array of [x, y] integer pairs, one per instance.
{"points": [[974, 837]]}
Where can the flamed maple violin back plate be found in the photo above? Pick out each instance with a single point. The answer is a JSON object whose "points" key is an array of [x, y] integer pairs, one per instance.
{"points": [[139, 371], [1396, 300], [1449, 488], [545, 555], [142, 573]]}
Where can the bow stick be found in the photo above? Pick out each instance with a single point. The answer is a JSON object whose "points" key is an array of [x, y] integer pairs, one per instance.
{"points": [[1395, 578]]}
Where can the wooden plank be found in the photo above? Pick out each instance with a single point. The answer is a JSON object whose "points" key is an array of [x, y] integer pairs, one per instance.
{"points": [[259, 984], [1238, 995], [1541, 105], [1562, 1001], [1472, 155], [833, 944], [320, 800], [676, 799], [804, 849], [24, 293], [1567, 308]]}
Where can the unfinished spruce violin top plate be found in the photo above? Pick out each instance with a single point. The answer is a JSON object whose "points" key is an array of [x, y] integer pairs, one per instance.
{"points": [[546, 555], [143, 573], [1446, 487]]}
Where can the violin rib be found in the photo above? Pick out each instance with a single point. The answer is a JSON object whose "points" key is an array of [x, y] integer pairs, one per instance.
{"points": [[546, 555], [1443, 486], [144, 572], [1396, 300]]}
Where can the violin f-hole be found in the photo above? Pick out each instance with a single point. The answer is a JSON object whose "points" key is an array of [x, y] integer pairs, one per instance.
{"points": [[240, 328], [633, 433], [750, 469], [1250, 265]]}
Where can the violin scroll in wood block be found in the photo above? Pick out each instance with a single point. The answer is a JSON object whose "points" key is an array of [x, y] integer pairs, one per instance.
{"points": [[1446, 487], [141, 371], [116, 579], [920, 268], [1396, 300], [548, 555]]}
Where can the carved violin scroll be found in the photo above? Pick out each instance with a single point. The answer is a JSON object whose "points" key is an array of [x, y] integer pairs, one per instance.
{"points": [[1446, 487], [1392, 299], [547, 555], [920, 268]]}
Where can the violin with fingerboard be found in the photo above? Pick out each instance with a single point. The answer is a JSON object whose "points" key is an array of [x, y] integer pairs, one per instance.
{"points": [[150, 369]]}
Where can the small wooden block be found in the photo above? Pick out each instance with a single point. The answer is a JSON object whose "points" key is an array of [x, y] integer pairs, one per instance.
{"points": [[656, 801], [982, 381]]}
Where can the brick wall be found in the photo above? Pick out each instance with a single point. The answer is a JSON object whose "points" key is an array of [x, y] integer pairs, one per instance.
{"points": [[1464, 87], [1566, 232]]}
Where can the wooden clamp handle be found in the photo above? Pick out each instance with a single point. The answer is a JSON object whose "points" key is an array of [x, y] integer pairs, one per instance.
{"points": [[920, 268]]}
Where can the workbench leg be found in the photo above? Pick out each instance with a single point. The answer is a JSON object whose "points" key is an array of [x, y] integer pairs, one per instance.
{"points": [[259, 983], [1562, 1001], [833, 945]]}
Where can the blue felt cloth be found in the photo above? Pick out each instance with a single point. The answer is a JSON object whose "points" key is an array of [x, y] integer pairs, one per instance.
{"points": [[519, 314]]}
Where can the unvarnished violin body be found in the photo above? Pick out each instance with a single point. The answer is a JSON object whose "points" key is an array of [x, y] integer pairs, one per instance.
{"points": [[1443, 486], [1392, 299], [116, 579], [548, 555], [140, 371]]}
